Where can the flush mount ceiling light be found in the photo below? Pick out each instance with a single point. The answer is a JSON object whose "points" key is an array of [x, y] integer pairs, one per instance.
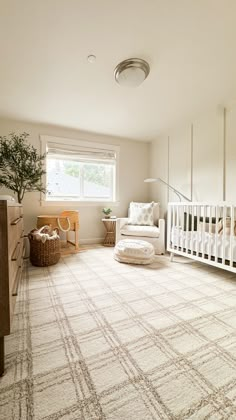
{"points": [[131, 72]]}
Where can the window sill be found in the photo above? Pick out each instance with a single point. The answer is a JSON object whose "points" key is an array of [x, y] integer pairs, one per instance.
{"points": [[67, 203]]}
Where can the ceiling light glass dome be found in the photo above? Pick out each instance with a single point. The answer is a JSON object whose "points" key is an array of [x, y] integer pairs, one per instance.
{"points": [[131, 72]]}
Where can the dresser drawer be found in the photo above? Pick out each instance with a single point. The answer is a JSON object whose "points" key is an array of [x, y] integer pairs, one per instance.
{"points": [[15, 261], [14, 212], [11, 250], [15, 233], [14, 292], [12, 301], [21, 211]]}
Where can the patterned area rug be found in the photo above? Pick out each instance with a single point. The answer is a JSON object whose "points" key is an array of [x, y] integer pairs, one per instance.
{"points": [[95, 339]]}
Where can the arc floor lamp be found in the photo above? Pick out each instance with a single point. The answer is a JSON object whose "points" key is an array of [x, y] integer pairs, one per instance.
{"points": [[178, 193]]}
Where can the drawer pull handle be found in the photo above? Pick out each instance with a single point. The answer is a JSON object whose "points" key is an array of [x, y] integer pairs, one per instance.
{"points": [[14, 223], [15, 254], [16, 283]]}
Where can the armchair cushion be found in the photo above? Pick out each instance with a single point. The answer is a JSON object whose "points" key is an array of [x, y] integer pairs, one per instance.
{"points": [[156, 211], [134, 230], [141, 214]]}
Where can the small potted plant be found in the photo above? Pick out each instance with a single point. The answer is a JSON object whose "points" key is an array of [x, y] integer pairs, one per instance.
{"points": [[107, 211]]}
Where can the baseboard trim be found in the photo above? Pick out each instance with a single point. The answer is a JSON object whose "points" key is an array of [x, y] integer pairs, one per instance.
{"points": [[91, 241]]}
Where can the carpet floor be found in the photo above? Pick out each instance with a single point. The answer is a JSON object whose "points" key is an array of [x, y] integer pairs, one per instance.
{"points": [[95, 339]]}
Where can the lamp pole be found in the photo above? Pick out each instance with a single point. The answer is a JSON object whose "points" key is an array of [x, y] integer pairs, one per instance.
{"points": [[178, 193]]}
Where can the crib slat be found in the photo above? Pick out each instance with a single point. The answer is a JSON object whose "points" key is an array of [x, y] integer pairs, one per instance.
{"points": [[187, 231], [204, 229], [231, 250], [216, 234], [224, 234], [210, 233], [177, 221], [169, 225], [198, 231], [182, 231], [192, 230], [174, 222]]}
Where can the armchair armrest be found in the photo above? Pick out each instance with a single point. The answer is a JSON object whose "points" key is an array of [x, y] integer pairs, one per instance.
{"points": [[161, 225], [120, 222]]}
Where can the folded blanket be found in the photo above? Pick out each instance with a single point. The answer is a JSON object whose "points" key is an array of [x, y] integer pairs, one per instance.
{"points": [[45, 233]]}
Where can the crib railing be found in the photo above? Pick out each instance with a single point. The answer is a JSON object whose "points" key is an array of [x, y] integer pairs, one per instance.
{"points": [[202, 231]]}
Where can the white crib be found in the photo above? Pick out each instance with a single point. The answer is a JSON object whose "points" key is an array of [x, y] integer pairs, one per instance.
{"points": [[193, 230]]}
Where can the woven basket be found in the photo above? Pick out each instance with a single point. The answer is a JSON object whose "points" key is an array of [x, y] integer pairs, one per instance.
{"points": [[44, 254]]}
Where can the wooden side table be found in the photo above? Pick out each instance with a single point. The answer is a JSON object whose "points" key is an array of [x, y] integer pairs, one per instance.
{"points": [[110, 238]]}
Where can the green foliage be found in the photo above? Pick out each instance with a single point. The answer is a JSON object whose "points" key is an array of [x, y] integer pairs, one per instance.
{"points": [[72, 169], [106, 211], [94, 173], [21, 167], [97, 174]]}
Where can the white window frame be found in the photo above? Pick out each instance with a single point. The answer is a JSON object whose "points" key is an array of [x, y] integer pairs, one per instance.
{"points": [[45, 140]]}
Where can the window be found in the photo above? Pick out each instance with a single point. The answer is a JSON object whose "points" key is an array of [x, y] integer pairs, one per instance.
{"points": [[80, 171]]}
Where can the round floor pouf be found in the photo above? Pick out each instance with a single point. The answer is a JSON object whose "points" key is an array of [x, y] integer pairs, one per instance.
{"points": [[134, 251]]}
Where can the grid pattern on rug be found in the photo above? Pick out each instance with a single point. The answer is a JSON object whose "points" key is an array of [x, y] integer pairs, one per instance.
{"points": [[95, 339]]}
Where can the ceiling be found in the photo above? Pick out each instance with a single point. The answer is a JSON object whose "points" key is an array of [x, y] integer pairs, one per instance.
{"points": [[45, 76]]}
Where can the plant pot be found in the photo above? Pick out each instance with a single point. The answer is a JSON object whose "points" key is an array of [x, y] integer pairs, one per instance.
{"points": [[107, 217]]}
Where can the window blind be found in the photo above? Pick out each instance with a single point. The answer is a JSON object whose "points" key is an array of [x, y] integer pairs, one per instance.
{"points": [[59, 151]]}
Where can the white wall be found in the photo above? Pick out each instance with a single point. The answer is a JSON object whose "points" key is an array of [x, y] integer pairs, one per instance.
{"points": [[159, 168], [134, 157], [179, 164], [198, 159], [230, 154]]}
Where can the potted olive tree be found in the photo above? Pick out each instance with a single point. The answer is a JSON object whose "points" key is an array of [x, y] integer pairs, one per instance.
{"points": [[21, 166]]}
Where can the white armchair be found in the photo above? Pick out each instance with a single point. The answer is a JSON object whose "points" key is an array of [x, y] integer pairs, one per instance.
{"points": [[153, 234]]}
